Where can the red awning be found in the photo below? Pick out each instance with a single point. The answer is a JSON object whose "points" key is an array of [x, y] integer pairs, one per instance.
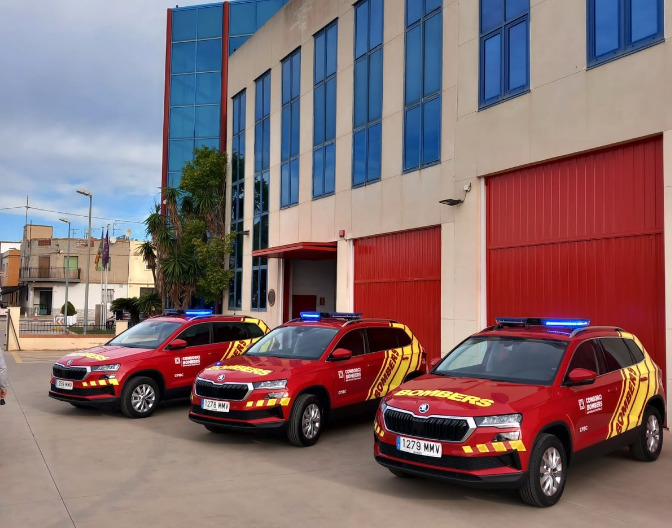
{"points": [[300, 251]]}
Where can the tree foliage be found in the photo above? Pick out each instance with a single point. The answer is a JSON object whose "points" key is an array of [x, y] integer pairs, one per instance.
{"points": [[190, 246]]}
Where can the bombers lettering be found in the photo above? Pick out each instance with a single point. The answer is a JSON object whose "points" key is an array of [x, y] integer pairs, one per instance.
{"points": [[389, 368], [241, 368], [627, 400], [89, 355], [454, 396]]}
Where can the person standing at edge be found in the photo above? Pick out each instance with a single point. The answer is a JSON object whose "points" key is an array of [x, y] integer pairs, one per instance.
{"points": [[4, 380]]}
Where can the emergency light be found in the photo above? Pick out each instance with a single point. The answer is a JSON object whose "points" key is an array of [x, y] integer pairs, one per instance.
{"points": [[311, 316], [194, 313], [529, 321], [574, 323]]}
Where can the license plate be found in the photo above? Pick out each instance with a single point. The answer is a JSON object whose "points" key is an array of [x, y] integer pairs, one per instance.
{"points": [[62, 384], [419, 447], [215, 405]]}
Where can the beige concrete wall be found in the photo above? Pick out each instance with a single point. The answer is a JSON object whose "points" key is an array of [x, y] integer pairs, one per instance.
{"points": [[568, 109]]}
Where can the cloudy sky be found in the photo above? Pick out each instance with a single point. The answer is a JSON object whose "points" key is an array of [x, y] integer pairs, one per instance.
{"points": [[81, 106]]}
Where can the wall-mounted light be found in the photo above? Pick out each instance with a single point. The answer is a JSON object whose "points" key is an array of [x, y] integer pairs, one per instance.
{"points": [[246, 232], [456, 201]]}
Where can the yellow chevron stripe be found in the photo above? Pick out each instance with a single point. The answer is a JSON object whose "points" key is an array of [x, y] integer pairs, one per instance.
{"points": [[284, 402], [517, 445], [467, 449], [113, 381], [483, 448], [499, 446], [249, 404]]}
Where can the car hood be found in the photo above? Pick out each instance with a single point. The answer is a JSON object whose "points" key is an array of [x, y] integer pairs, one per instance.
{"points": [[101, 355], [254, 368], [466, 396]]}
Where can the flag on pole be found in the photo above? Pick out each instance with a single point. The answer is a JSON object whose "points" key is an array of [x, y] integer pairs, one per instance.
{"points": [[99, 254], [106, 251]]}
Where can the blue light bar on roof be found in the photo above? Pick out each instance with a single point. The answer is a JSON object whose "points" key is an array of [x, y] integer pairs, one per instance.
{"points": [[511, 320], [172, 311], [311, 316], [574, 323], [346, 315], [194, 313]]}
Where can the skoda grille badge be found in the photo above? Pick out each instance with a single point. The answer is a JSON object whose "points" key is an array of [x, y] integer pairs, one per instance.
{"points": [[69, 362], [221, 377], [424, 408]]}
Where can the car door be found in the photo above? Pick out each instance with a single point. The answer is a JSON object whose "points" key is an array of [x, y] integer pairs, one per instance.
{"points": [[587, 405], [231, 339], [198, 354], [629, 387], [391, 358], [350, 375]]}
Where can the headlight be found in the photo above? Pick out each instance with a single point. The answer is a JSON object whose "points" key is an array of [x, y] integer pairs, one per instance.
{"points": [[106, 368], [502, 420], [275, 384], [383, 405]]}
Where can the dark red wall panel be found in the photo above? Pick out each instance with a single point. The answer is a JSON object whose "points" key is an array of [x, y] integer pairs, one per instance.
{"points": [[398, 276], [582, 237]]}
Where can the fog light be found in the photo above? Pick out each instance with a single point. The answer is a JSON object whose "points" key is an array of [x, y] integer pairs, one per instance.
{"points": [[506, 437], [276, 395]]}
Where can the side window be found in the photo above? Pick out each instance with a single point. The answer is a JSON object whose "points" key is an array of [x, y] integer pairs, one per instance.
{"points": [[252, 330], [585, 357], [616, 354], [353, 341], [227, 332], [634, 350], [403, 338], [382, 339], [196, 335]]}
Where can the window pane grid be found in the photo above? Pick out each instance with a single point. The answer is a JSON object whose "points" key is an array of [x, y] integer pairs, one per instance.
{"points": [[621, 27], [237, 194], [324, 110], [422, 87], [368, 92], [289, 156]]}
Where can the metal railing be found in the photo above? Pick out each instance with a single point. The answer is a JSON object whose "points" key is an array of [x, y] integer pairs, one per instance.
{"points": [[48, 327], [50, 274]]}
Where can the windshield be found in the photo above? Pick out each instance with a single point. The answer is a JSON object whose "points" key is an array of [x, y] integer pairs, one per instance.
{"points": [[148, 334], [294, 342], [530, 361]]}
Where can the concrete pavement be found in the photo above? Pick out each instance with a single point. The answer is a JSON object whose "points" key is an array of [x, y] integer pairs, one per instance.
{"points": [[62, 467]]}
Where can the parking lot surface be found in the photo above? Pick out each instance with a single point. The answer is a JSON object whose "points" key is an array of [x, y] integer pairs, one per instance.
{"points": [[63, 467]]}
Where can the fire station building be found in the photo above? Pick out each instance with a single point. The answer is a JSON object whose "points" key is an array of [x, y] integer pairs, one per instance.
{"points": [[440, 163]]}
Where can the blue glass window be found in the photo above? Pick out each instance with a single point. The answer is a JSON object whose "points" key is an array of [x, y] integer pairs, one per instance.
{"points": [[237, 198], [324, 110], [422, 87], [368, 92], [181, 122], [262, 147], [291, 115], [243, 18], [209, 55], [619, 27], [210, 22], [182, 88], [179, 152], [207, 121], [183, 57], [208, 88], [504, 50], [184, 24]]}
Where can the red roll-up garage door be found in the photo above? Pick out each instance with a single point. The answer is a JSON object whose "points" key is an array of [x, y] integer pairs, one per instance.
{"points": [[582, 237], [398, 276]]}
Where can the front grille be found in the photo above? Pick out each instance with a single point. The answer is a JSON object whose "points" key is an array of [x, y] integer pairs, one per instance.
{"points": [[452, 462], [69, 373], [270, 412], [227, 391], [433, 427], [85, 392]]}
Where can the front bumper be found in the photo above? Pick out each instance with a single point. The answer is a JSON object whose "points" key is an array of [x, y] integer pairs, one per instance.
{"points": [[100, 392], [268, 418]]}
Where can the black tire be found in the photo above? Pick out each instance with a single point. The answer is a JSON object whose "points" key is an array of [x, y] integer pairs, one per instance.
{"points": [[546, 474], [650, 442], [305, 421], [399, 473], [139, 397], [214, 428]]}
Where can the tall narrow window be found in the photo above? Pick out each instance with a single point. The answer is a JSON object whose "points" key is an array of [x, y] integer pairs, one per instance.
{"points": [[422, 97], [262, 148], [237, 199], [619, 27], [289, 156], [368, 92], [324, 114], [504, 50]]}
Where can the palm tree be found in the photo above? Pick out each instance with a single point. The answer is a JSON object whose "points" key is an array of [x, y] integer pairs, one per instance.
{"points": [[150, 303], [146, 251]]}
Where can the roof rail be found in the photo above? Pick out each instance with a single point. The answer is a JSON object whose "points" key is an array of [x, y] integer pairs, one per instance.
{"points": [[371, 319], [588, 328]]}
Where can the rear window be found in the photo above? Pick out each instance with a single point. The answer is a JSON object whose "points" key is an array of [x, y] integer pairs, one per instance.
{"points": [[616, 353], [636, 352]]}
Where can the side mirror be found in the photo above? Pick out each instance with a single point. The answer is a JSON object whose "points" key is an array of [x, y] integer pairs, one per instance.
{"points": [[580, 376], [177, 344], [434, 362], [341, 354]]}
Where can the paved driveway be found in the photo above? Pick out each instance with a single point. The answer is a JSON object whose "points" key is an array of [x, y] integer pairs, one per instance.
{"points": [[63, 467]]}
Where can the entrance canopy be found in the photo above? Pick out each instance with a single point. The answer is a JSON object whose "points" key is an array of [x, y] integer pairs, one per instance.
{"points": [[300, 251]]}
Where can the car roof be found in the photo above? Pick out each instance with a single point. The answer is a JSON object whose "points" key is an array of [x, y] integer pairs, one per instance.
{"points": [[182, 318], [340, 322], [560, 330]]}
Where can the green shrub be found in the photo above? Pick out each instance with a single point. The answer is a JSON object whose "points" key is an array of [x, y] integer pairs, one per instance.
{"points": [[71, 309]]}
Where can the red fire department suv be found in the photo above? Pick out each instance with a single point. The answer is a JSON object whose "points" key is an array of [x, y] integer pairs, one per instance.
{"points": [[155, 360], [515, 404], [295, 375]]}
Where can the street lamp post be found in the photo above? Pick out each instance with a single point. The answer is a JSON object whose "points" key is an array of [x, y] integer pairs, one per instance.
{"points": [[67, 272], [88, 260]]}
